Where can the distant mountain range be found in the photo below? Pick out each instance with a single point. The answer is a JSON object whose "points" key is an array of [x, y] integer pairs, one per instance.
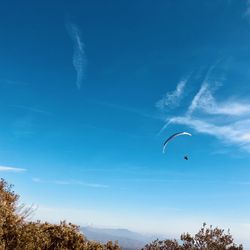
{"points": [[128, 240]]}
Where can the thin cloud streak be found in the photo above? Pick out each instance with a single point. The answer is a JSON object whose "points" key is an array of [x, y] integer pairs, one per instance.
{"points": [[31, 109], [247, 12], [205, 101], [233, 133], [204, 90], [228, 108], [234, 129], [124, 109], [172, 99], [11, 169], [163, 128], [79, 55], [14, 83], [197, 98], [71, 182]]}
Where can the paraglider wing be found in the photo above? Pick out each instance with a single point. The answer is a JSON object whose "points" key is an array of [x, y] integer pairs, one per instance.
{"points": [[172, 137]]}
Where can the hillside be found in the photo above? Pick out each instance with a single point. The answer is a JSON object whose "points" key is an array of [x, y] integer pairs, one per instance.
{"points": [[128, 240]]}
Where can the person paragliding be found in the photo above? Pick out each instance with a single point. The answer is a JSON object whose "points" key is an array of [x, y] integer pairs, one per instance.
{"points": [[171, 138]]}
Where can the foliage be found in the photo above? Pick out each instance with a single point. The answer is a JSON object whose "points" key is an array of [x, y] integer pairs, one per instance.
{"points": [[19, 234], [208, 238]]}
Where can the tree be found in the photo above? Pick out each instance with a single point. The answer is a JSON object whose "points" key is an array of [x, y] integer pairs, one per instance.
{"points": [[19, 234], [208, 238]]}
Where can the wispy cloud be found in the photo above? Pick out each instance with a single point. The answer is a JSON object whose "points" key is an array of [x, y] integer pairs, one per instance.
{"points": [[233, 133], [14, 83], [204, 93], [172, 99], [11, 169], [247, 11], [79, 56], [205, 101], [71, 182], [197, 99], [228, 120]]}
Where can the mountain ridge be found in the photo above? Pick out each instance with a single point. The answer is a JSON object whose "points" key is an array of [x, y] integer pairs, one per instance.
{"points": [[127, 239]]}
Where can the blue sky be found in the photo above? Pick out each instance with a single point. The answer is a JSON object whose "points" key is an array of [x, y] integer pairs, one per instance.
{"points": [[89, 91]]}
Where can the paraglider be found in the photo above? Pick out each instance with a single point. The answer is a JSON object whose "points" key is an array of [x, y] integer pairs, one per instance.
{"points": [[172, 137]]}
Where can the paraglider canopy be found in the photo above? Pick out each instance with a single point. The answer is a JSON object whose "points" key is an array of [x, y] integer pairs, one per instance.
{"points": [[172, 137]]}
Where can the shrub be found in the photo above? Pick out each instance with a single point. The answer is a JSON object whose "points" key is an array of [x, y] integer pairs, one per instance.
{"points": [[208, 238], [19, 234]]}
